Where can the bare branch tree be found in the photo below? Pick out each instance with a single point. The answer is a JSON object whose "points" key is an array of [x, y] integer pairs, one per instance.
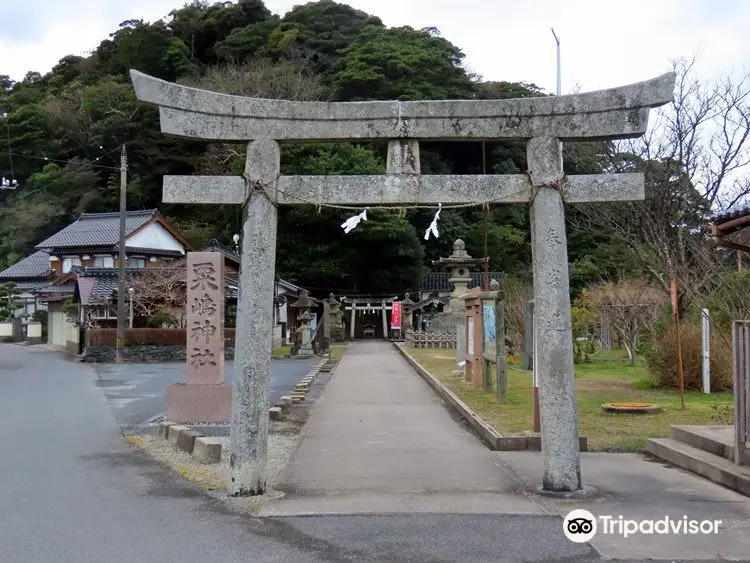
{"points": [[159, 289], [517, 294], [260, 78], [629, 305], [695, 159]]}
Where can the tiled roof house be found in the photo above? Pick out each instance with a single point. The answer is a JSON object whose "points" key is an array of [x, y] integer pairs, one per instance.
{"points": [[731, 229]]}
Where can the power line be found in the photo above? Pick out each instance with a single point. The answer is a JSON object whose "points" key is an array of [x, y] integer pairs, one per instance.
{"points": [[47, 159]]}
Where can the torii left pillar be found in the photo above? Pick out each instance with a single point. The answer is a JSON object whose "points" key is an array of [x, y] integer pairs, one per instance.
{"points": [[248, 440]]}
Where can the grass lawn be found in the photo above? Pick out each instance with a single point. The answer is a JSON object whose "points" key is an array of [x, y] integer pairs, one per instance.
{"points": [[281, 351], [597, 382], [336, 351]]}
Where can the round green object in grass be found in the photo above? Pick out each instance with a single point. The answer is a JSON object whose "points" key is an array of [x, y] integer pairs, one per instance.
{"points": [[631, 408]]}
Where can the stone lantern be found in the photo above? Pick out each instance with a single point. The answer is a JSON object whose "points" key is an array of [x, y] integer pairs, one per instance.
{"points": [[406, 312], [336, 320], [452, 319], [303, 306], [459, 265]]}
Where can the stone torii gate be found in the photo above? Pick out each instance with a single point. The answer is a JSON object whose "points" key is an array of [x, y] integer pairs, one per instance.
{"points": [[544, 123]]}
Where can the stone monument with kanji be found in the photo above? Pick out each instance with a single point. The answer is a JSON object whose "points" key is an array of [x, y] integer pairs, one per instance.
{"points": [[204, 397]]}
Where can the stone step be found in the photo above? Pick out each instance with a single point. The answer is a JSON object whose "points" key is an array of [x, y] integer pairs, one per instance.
{"points": [[708, 465], [718, 440]]}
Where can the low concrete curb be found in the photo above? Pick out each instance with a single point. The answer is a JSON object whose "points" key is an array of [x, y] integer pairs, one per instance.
{"points": [[490, 436], [299, 393], [207, 450], [174, 433], [186, 440]]}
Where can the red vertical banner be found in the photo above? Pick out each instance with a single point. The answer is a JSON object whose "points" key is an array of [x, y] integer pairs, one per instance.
{"points": [[396, 315]]}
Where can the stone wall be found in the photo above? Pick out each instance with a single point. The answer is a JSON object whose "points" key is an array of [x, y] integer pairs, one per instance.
{"points": [[144, 353]]}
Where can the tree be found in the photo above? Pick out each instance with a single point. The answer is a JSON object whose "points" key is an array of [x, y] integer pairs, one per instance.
{"points": [[162, 289], [693, 159], [8, 300], [401, 64], [202, 26], [319, 32], [50, 198], [383, 254], [244, 43], [630, 306], [731, 299], [139, 45]]}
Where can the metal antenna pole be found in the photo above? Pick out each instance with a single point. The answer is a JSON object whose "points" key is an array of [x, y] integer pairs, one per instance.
{"points": [[121, 262], [557, 40]]}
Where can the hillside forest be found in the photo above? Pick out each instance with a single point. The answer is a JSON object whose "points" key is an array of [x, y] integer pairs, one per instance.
{"points": [[65, 130]]}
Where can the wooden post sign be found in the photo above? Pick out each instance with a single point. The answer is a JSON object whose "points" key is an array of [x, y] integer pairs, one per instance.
{"points": [[474, 336], [493, 312]]}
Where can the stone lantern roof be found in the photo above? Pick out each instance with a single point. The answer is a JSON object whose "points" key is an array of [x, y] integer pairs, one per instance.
{"points": [[459, 257], [458, 263], [305, 301], [407, 303]]}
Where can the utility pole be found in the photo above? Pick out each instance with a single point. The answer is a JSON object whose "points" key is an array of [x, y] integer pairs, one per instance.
{"points": [[121, 263], [557, 40]]}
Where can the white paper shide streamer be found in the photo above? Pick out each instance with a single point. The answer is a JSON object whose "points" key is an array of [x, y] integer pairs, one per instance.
{"points": [[433, 226], [353, 221]]}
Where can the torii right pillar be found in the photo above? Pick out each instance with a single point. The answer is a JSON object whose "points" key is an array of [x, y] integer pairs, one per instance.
{"points": [[552, 325]]}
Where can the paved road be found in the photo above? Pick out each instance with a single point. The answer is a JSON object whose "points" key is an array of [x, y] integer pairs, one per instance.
{"points": [[72, 490], [136, 391]]}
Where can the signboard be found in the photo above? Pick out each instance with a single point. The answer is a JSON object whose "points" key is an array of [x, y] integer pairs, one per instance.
{"points": [[313, 322], [396, 315], [489, 323]]}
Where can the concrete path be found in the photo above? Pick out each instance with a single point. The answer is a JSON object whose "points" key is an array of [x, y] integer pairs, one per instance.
{"points": [[72, 490], [636, 488], [137, 391], [380, 440], [385, 474]]}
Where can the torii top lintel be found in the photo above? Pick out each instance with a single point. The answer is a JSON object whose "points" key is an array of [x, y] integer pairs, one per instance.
{"points": [[605, 114]]}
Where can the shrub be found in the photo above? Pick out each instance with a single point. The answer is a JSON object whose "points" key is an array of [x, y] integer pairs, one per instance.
{"points": [[162, 320], [40, 316], [8, 302], [661, 358], [584, 322], [70, 308], [731, 300], [723, 414]]}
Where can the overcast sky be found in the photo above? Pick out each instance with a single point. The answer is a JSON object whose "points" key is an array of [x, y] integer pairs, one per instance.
{"points": [[604, 44]]}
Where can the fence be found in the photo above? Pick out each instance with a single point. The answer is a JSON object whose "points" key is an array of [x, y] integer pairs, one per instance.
{"points": [[741, 352], [421, 339], [107, 337]]}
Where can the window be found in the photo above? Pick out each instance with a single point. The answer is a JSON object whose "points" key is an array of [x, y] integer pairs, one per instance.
{"points": [[104, 261], [136, 262], [69, 262]]}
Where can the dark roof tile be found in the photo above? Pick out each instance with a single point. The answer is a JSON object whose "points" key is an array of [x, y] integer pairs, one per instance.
{"points": [[737, 211], [97, 229], [66, 287], [439, 281], [34, 266]]}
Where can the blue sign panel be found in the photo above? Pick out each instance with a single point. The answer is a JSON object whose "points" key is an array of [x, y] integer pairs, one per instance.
{"points": [[489, 324]]}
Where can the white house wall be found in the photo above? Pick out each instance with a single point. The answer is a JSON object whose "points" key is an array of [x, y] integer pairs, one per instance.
{"points": [[154, 236]]}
